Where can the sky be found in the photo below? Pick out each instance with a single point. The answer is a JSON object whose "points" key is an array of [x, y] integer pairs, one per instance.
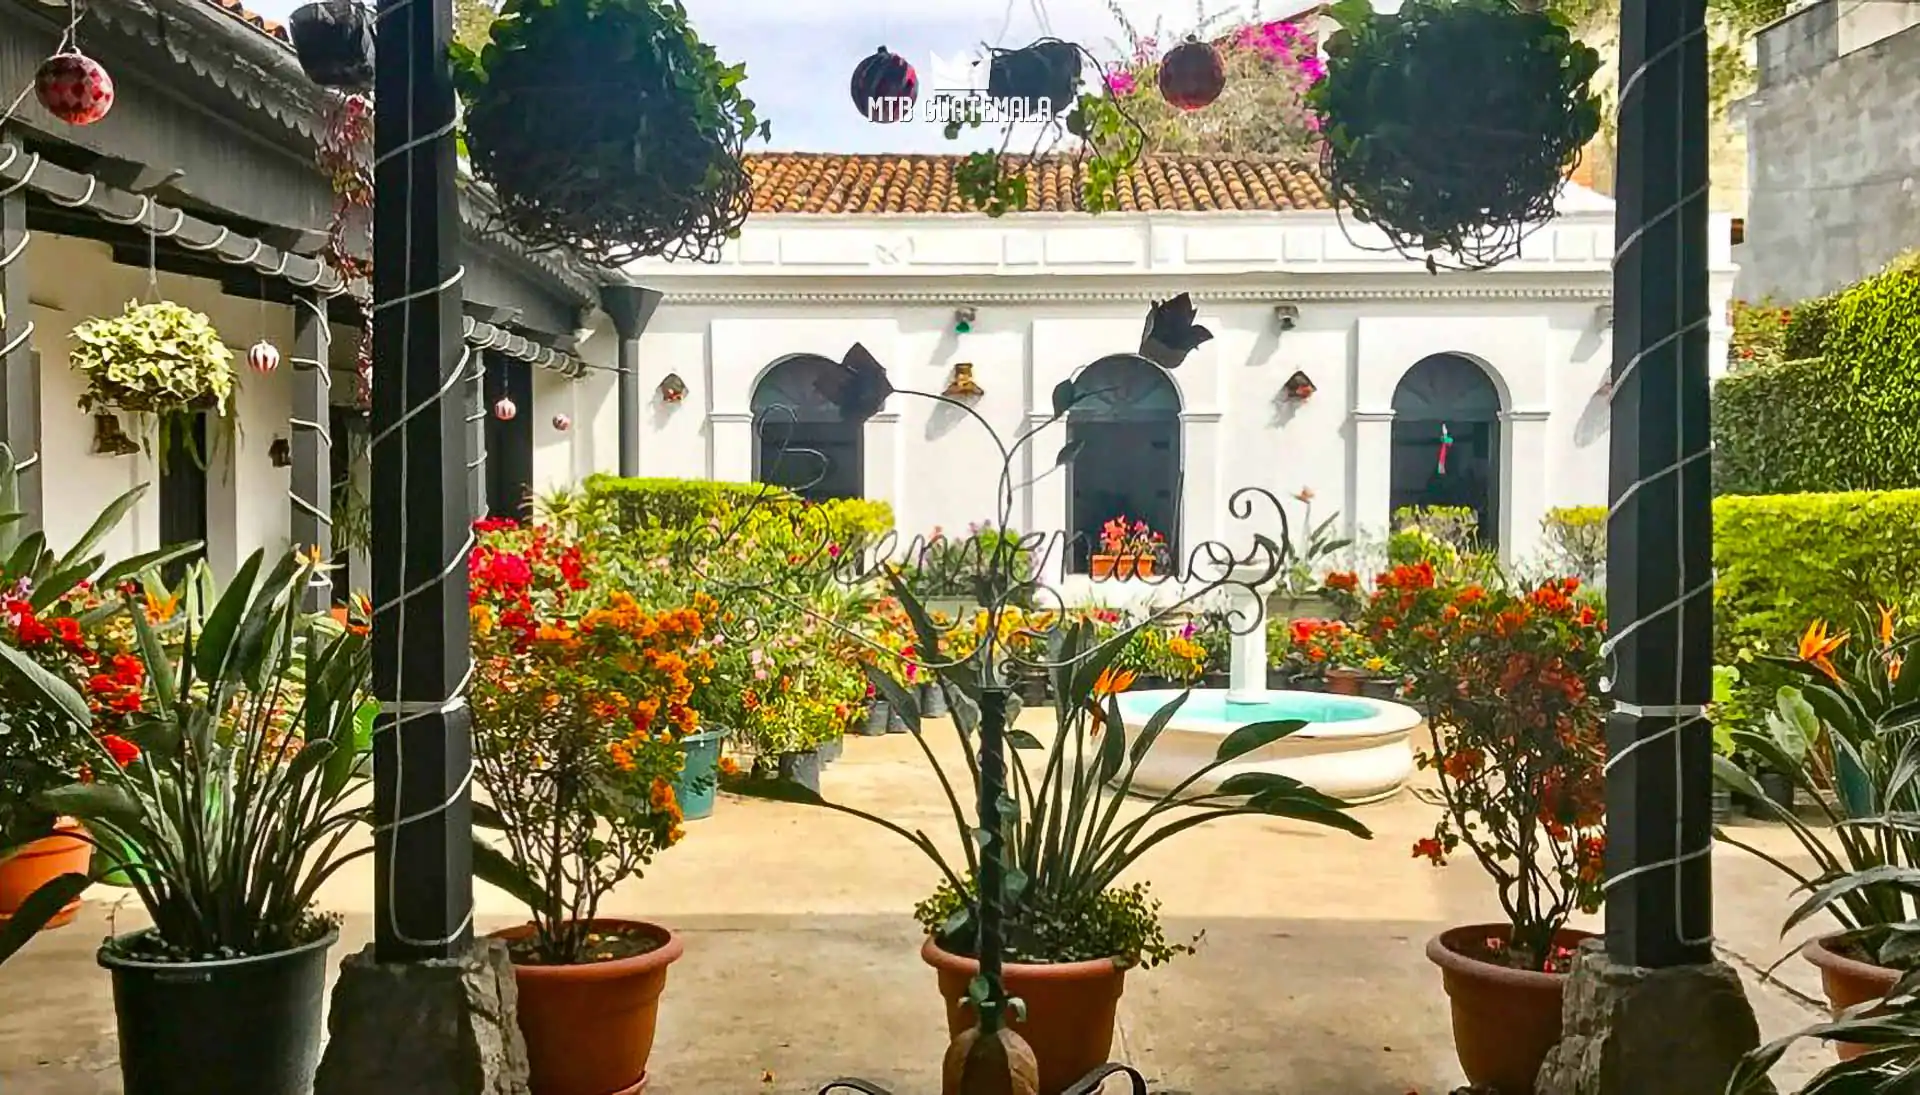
{"points": [[800, 54]]}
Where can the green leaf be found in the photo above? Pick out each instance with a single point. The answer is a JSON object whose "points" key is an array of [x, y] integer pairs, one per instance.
{"points": [[159, 557], [216, 635], [1254, 736], [1021, 739], [41, 905], [109, 519], [494, 868], [108, 802], [55, 692]]}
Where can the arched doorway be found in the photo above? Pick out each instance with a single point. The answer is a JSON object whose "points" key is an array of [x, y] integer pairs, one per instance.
{"points": [[800, 440], [1448, 396], [1127, 428]]}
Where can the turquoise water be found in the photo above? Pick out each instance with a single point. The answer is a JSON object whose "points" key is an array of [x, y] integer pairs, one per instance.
{"points": [[1210, 705]]}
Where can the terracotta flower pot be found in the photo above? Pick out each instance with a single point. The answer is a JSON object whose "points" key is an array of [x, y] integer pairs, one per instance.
{"points": [[1848, 982], [1122, 567], [1505, 1021], [1070, 1010], [589, 1028], [40, 862], [1345, 682]]}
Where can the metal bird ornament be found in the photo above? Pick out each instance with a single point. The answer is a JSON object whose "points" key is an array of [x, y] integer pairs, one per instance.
{"points": [[858, 388], [1171, 334]]}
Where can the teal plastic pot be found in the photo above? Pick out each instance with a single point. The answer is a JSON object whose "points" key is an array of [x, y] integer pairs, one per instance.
{"points": [[700, 774]]}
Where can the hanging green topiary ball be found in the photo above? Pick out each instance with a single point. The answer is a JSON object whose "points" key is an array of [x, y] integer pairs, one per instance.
{"points": [[1452, 124]]}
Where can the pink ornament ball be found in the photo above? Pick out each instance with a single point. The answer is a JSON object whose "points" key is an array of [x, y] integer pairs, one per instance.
{"points": [[562, 423], [74, 88], [263, 357], [505, 410]]}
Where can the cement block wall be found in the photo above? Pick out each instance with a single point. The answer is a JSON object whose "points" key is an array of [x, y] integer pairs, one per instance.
{"points": [[1834, 165]]}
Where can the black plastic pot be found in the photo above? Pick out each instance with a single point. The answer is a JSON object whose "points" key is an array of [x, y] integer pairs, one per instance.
{"points": [[933, 701], [877, 717], [1215, 678], [334, 41], [243, 1026], [1147, 682], [1046, 70], [1309, 682], [896, 722], [1778, 788], [1722, 805], [830, 751], [1384, 688], [1279, 679], [802, 768]]}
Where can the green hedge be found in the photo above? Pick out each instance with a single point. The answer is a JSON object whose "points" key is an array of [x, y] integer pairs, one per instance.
{"points": [[636, 505], [1783, 560], [1842, 411]]}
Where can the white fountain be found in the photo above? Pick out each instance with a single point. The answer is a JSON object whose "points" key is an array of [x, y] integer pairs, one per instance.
{"points": [[1353, 748]]}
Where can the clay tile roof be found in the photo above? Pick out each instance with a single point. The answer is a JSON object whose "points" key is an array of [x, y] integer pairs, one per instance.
{"points": [[253, 19], [829, 183]]}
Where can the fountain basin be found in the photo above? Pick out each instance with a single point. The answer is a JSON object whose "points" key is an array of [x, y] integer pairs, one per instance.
{"points": [[1353, 748]]}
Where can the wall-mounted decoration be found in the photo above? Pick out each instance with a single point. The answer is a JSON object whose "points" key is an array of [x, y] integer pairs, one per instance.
{"points": [[1287, 316], [562, 423], [963, 386], [504, 409], [673, 389], [1192, 75], [963, 319], [883, 84], [109, 439], [280, 452], [1170, 333], [334, 41], [74, 87], [1300, 386], [263, 357]]}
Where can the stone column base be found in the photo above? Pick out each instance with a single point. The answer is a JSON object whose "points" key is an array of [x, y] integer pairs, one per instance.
{"points": [[1628, 1031], [431, 1028]]}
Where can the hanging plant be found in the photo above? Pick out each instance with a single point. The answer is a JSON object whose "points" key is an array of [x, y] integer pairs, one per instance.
{"points": [[609, 127], [1193, 75], [1109, 140], [345, 154], [1452, 124], [159, 359]]}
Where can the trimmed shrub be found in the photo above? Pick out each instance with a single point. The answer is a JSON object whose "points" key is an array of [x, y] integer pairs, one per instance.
{"points": [[675, 503], [1842, 410], [1781, 561], [1576, 540]]}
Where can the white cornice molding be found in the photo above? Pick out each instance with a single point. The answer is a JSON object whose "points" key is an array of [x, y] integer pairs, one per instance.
{"points": [[1372, 415], [1038, 295], [1200, 416], [1526, 414]]}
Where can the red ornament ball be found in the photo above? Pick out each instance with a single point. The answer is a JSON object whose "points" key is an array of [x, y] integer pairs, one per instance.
{"points": [[885, 87], [504, 409], [74, 88], [263, 357], [1192, 75]]}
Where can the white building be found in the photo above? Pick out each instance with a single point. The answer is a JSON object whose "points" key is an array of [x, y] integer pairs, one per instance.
{"points": [[871, 249]]}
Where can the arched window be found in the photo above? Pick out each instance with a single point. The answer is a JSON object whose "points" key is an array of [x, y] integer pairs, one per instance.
{"points": [[799, 438], [1446, 440], [1127, 427]]}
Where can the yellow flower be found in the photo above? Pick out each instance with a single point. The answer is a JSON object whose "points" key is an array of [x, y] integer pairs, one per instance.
{"points": [[482, 618], [1817, 646]]}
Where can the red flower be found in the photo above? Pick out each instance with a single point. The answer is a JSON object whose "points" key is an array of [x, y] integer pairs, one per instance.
{"points": [[1429, 848], [120, 749], [68, 629]]}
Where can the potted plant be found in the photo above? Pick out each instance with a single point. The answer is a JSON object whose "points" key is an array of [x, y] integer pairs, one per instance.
{"points": [[1510, 77], [580, 699], [655, 170], [223, 795], [1850, 709], [1509, 683], [55, 617], [160, 359], [1128, 549], [1885, 1045], [1073, 930]]}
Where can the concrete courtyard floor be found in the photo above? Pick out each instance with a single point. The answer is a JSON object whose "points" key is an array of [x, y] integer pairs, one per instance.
{"points": [[802, 957]]}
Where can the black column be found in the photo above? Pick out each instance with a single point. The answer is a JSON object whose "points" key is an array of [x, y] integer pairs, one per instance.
{"points": [[19, 379], [631, 308], [312, 443], [1659, 568], [423, 869]]}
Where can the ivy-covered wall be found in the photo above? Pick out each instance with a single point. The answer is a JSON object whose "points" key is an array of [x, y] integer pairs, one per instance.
{"points": [[1830, 402]]}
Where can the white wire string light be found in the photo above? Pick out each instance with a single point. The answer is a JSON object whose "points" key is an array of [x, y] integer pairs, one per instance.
{"points": [[1684, 717]]}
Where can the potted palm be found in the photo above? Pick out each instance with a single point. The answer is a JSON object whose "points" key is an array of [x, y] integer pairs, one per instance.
{"points": [[1879, 1052], [580, 701], [1849, 713], [1073, 930], [1509, 682], [224, 797]]}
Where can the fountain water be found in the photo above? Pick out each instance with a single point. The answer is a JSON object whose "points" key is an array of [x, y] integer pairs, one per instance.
{"points": [[1353, 748]]}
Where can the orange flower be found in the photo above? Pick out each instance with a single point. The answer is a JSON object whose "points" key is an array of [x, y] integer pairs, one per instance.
{"points": [[1817, 646], [1893, 668], [161, 609], [729, 766], [1886, 625], [1113, 682]]}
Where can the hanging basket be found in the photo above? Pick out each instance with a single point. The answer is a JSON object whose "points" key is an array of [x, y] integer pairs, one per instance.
{"points": [[334, 41], [161, 359], [608, 127], [1452, 125]]}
